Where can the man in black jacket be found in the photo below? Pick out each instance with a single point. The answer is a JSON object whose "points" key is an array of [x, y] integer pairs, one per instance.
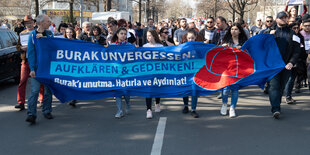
{"points": [[289, 46]]}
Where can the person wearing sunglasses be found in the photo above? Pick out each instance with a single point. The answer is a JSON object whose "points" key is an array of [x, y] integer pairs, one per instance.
{"points": [[208, 31], [299, 69], [254, 30], [269, 24], [163, 35]]}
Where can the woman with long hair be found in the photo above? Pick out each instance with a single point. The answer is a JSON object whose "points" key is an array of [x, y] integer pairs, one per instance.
{"points": [[234, 37], [153, 41], [191, 35], [70, 34], [120, 38]]}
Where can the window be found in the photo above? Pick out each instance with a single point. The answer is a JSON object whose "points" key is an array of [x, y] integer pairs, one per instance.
{"points": [[6, 39], [13, 37]]}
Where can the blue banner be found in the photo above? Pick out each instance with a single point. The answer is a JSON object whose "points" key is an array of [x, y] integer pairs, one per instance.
{"points": [[81, 70]]}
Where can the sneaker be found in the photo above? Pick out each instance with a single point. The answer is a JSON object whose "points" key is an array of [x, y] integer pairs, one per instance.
{"points": [[149, 114], [119, 114], [31, 119], [219, 96], [73, 103], [276, 115], [265, 91], [232, 113], [185, 110], [157, 107], [224, 109], [48, 116], [289, 100], [20, 106], [194, 114]]}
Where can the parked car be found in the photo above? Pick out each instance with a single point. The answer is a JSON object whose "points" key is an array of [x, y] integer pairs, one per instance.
{"points": [[9, 56]]}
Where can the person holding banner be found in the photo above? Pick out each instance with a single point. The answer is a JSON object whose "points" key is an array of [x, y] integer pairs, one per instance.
{"points": [[120, 38], [235, 37], [71, 34], [191, 35], [43, 22], [25, 70], [153, 41], [130, 36]]}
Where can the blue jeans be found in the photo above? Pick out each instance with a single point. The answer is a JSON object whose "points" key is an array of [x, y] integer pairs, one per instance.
{"points": [[234, 96], [33, 99], [290, 83], [194, 102], [119, 102], [276, 87]]}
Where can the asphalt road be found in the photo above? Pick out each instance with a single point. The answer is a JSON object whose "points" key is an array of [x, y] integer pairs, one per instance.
{"points": [[91, 129]]}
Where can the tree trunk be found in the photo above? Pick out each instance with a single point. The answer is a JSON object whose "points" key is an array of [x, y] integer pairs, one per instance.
{"points": [[234, 13], [215, 8], [71, 11], [37, 7], [148, 9], [97, 6], [109, 5], [241, 14], [140, 12]]}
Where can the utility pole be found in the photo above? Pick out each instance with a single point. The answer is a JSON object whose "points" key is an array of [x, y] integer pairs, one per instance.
{"points": [[81, 13], [264, 10]]}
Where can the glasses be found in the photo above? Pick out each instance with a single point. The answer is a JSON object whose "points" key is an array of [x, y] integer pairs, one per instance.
{"points": [[210, 22], [166, 32], [269, 21], [259, 20], [295, 28]]}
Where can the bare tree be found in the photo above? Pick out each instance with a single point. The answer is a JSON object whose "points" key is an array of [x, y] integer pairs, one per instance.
{"points": [[177, 8], [140, 8], [241, 6], [209, 7]]}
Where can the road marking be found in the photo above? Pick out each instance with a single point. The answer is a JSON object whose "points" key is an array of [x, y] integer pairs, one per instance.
{"points": [[159, 137]]}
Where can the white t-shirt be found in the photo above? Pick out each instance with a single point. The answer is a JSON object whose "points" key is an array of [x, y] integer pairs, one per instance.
{"points": [[51, 28], [132, 31], [155, 45], [3, 26]]}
